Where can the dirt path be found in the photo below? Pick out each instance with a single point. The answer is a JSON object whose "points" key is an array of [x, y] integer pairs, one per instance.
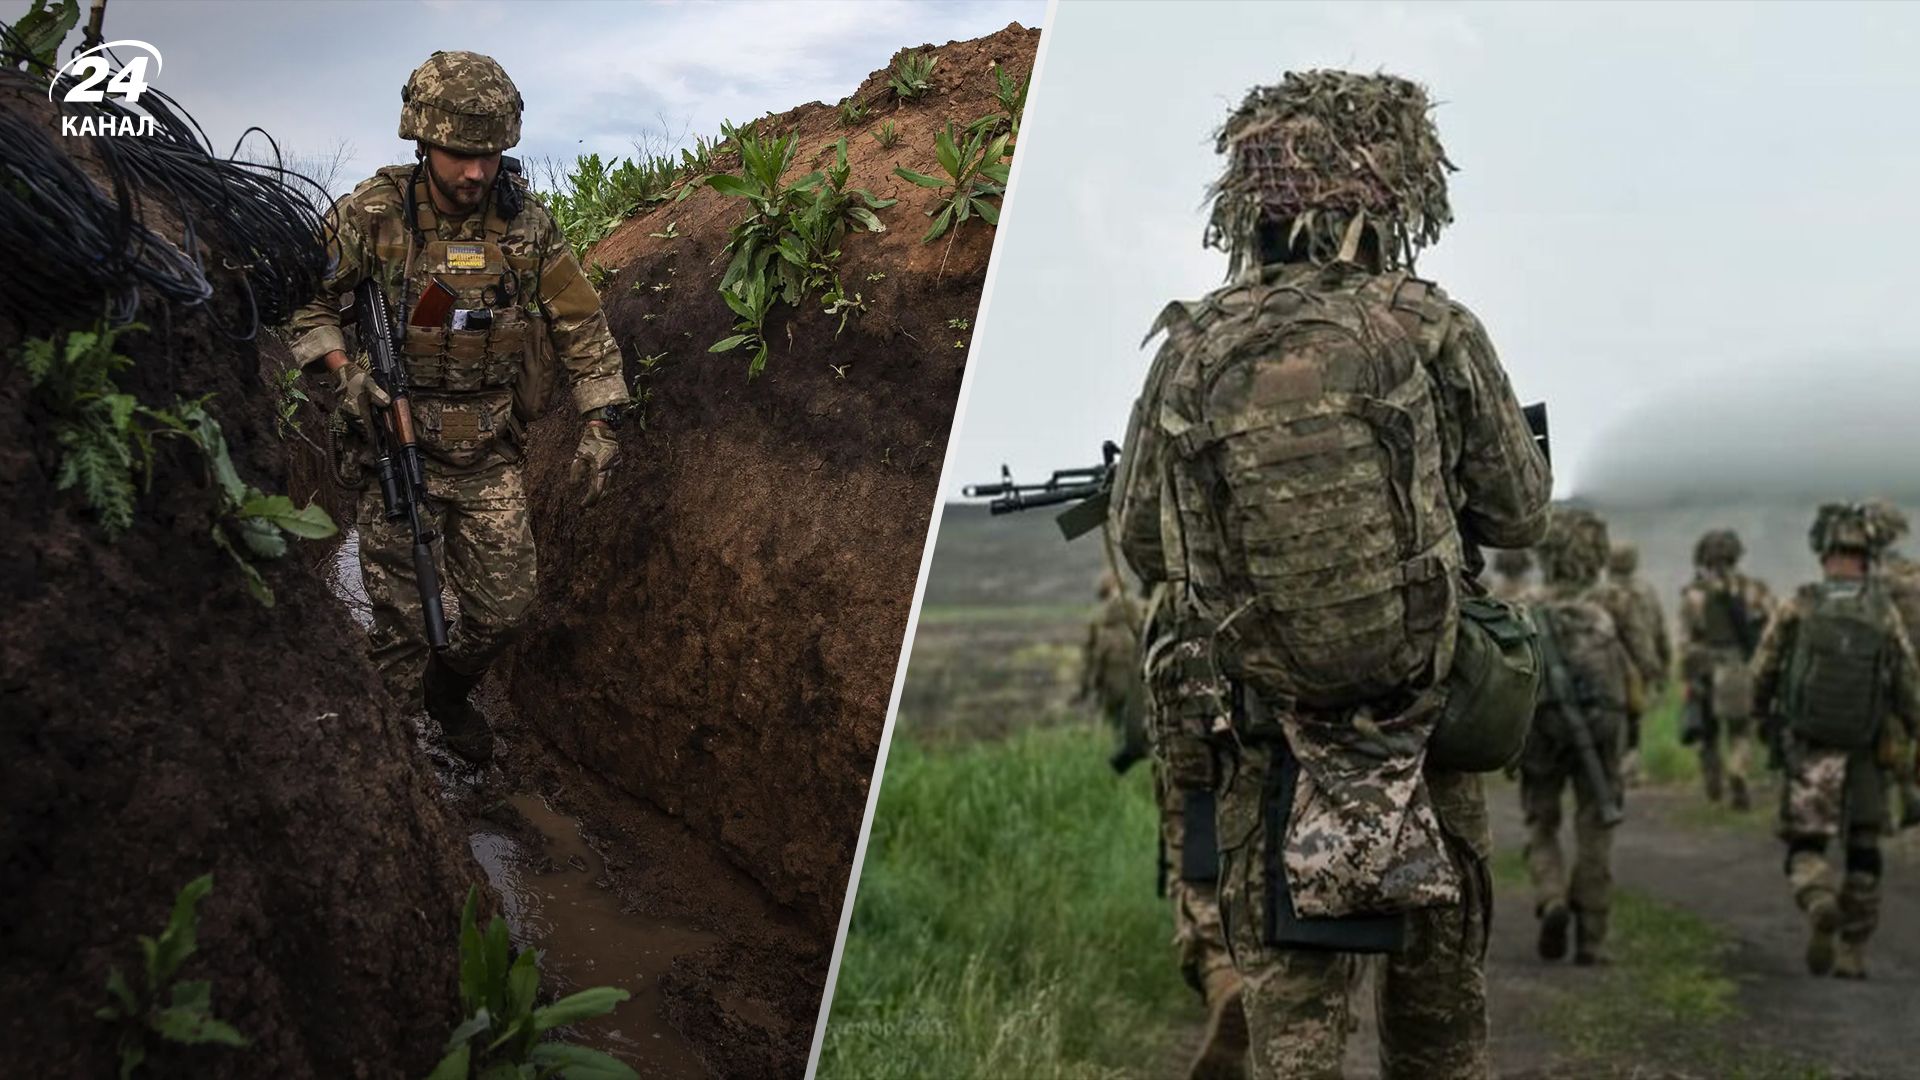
{"points": [[1727, 873]]}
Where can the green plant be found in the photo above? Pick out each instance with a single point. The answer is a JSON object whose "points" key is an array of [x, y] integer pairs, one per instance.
{"points": [[598, 275], [887, 135], [750, 298], [288, 406], [961, 323], [852, 112], [975, 171], [42, 29], [1011, 96], [187, 1016], [504, 1035], [671, 232], [912, 74]]}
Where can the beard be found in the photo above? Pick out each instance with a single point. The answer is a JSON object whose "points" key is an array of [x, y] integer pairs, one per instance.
{"points": [[465, 195]]}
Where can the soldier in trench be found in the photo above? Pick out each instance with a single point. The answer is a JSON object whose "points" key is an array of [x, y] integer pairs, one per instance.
{"points": [[460, 215]]}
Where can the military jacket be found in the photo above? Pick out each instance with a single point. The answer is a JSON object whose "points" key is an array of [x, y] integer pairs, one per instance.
{"points": [[1710, 630]]}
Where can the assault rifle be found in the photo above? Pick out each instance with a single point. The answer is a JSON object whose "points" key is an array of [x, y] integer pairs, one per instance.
{"points": [[403, 480], [1560, 691], [1088, 489]]}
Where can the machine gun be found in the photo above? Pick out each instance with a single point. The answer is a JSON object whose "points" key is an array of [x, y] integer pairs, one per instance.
{"points": [[403, 480], [1088, 489], [1561, 693]]}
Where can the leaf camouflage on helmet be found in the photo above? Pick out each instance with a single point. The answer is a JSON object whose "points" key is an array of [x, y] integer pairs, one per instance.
{"points": [[1331, 153], [1853, 527], [1575, 548]]}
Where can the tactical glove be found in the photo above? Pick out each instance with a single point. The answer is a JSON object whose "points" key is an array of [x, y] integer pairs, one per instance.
{"points": [[358, 389], [599, 452]]}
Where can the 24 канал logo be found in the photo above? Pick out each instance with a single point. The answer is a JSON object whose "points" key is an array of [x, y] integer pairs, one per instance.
{"points": [[93, 80]]}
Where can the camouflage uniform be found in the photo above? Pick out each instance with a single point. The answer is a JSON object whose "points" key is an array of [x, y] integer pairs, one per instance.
{"points": [[1110, 671], [1511, 569], [1431, 824], [1838, 791], [475, 390], [1636, 612], [1722, 613], [1597, 650], [1902, 578]]}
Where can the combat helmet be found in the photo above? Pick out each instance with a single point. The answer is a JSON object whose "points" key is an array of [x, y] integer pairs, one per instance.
{"points": [[1888, 520], [1624, 559], [1575, 547], [1330, 155], [1718, 549], [462, 102], [1846, 527]]}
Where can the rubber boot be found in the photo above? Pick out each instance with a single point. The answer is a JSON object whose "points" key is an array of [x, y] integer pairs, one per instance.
{"points": [[1849, 961], [1223, 1053], [1823, 918], [1554, 917], [1589, 934], [1737, 793], [465, 730]]}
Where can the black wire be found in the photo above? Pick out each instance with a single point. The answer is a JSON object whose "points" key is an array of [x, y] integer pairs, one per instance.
{"points": [[74, 242]]}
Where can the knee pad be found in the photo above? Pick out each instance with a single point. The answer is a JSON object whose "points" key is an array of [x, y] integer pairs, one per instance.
{"points": [[1864, 860]]}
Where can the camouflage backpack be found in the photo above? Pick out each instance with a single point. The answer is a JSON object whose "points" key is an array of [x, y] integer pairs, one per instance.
{"points": [[1309, 513], [1831, 688]]}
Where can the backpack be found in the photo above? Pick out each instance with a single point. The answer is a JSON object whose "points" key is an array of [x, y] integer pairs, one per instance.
{"points": [[1308, 510], [1831, 687]]}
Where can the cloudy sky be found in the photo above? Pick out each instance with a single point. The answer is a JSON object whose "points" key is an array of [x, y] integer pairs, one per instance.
{"points": [[595, 76], [1676, 221]]}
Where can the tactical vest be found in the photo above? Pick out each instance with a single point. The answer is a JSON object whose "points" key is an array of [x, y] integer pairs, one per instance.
{"points": [[1726, 622], [1832, 685], [1307, 513], [465, 370]]}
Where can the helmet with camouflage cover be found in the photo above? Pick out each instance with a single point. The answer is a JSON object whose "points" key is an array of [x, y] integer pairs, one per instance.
{"points": [[1512, 562], [1889, 521], [462, 102], [1331, 155], [1718, 549], [1847, 527], [1624, 559], [1575, 547]]}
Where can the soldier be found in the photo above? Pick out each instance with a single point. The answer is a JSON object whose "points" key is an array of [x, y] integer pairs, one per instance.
{"points": [[1836, 668], [1577, 742], [1512, 567], [1317, 446], [1110, 671], [460, 215], [1722, 613], [1902, 578], [1643, 629]]}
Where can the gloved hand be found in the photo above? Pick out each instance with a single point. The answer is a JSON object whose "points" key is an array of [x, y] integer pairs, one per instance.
{"points": [[358, 389], [593, 462]]}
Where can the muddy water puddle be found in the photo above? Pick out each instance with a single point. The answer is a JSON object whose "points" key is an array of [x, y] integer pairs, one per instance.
{"points": [[552, 904]]}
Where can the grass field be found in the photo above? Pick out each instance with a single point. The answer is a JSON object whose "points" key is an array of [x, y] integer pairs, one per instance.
{"points": [[998, 929]]}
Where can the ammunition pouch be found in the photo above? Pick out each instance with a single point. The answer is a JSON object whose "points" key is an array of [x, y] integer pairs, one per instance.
{"points": [[463, 430], [1491, 690]]}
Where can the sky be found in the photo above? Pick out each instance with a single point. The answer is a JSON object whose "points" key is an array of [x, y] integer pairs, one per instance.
{"points": [[1688, 228], [596, 76]]}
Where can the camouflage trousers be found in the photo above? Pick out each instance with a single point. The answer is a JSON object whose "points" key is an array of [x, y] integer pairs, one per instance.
{"points": [[1197, 933], [1549, 766], [1430, 999], [1726, 751], [1834, 794], [486, 555]]}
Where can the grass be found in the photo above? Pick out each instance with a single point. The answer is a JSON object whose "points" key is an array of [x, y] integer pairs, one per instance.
{"points": [[1006, 923]]}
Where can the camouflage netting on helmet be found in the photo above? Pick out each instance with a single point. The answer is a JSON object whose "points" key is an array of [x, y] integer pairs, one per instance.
{"points": [[1332, 148], [1718, 549], [463, 102], [1862, 527], [1624, 559], [1575, 547]]}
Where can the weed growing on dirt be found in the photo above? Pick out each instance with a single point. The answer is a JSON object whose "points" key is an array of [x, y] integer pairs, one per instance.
{"points": [[912, 75], [187, 1015], [786, 247], [671, 232], [1012, 96], [595, 196], [287, 407], [107, 440], [599, 275], [959, 323], [887, 135], [1006, 923], [852, 112], [504, 1036], [976, 170]]}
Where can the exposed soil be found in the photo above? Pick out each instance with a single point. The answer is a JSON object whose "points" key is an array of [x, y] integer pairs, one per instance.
{"points": [[719, 637], [156, 723]]}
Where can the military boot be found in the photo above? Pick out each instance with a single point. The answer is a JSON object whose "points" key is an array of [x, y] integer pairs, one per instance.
{"points": [[1589, 934], [448, 694], [1849, 960], [1823, 919], [1223, 1053], [1554, 917], [1737, 793]]}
